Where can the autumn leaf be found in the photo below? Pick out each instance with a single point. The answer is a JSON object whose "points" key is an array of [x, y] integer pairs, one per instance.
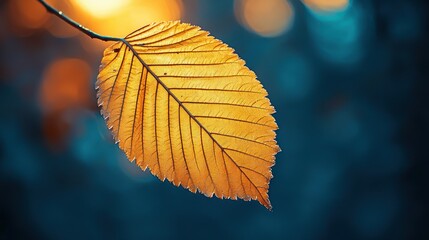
{"points": [[184, 105]]}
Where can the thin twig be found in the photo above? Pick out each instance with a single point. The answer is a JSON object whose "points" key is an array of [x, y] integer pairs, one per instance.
{"points": [[77, 25]]}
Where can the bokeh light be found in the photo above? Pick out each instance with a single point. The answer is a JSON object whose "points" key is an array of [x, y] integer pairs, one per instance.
{"points": [[119, 18], [66, 85], [268, 18], [339, 35], [102, 8], [26, 15], [327, 5], [106, 17], [66, 88]]}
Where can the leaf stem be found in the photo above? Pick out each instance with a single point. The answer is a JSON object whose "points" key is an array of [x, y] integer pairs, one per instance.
{"points": [[77, 25]]}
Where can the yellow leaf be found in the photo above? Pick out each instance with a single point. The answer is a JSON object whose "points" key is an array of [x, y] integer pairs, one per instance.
{"points": [[184, 104]]}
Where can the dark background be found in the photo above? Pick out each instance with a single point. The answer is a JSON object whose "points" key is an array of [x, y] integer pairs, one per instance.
{"points": [[351, 94]]}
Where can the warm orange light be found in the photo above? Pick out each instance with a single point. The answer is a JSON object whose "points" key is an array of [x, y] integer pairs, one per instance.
{"points": [[102, 8], [26, 16], [115, 18], [268, 18], [326, 5], [119, 18], [66, 84]]}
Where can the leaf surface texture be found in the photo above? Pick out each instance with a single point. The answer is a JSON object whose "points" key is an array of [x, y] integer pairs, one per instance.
{"points": [[183, 104]]}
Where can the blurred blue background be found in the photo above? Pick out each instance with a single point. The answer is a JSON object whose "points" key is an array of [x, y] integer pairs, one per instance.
{"points": [[349, 80]]}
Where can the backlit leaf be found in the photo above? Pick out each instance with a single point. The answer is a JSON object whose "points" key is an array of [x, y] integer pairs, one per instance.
{"points": [[184, 104]]}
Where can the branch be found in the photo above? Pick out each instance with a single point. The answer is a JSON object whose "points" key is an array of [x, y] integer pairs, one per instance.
{"points": [[77, 25]]}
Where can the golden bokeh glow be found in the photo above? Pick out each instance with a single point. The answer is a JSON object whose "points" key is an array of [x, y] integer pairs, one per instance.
{"points": [[102, 8], [119, 18], [115, 18], [326, 5], [268, 18], [25, 16], [31, 13], [66, 84]]}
